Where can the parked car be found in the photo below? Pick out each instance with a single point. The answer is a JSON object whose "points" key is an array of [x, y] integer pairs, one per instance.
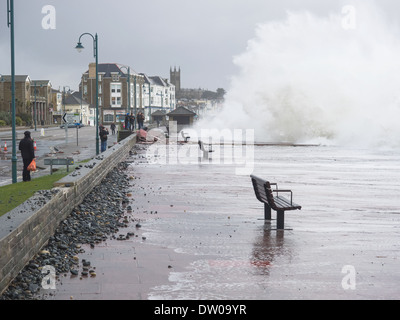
{"points": [[72, 125]]}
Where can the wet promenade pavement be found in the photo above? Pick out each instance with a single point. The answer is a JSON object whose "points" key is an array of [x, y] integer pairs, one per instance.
{"points": [[201, 233]]}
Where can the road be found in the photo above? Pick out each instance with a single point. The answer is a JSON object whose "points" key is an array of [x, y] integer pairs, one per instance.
{"points": [[78, 143]]}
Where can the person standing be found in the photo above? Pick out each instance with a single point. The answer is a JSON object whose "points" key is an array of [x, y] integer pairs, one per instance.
{"points": [[132, 122], [112, 127], [140, 120], [27, 153], [103, 137], [127, 121]]}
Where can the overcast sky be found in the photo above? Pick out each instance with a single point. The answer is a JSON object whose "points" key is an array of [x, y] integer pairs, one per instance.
{"points": [[201, 37]]}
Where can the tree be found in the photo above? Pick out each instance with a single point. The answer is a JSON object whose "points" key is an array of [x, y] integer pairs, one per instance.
{"points": [[220, 93], [209, 95]]}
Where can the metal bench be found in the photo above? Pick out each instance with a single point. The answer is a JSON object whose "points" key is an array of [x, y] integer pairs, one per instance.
{"points": [[185, 136], [58, 162], [280, 204], [206, 151]]}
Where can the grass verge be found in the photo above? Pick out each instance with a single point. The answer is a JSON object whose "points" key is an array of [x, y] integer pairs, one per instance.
{"points": [[11, 196]]}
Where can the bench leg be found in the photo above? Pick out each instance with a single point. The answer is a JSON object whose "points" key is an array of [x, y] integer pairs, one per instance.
{"points": [[280, 219], [267, 212]]}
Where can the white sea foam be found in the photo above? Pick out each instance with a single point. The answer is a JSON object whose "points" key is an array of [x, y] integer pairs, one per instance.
{"points": [[308, 79]]}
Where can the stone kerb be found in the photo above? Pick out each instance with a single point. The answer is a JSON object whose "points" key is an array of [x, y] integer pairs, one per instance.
{"points": [[27, 228]]}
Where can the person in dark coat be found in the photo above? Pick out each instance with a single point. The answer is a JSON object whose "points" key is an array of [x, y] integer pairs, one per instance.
{"points": [[140, 119], [112, 127], [127, 122], [132, 122], [103, 137], [27, 153]]}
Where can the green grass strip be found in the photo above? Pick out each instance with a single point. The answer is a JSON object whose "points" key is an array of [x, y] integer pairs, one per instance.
{"points": [[12, 195]]}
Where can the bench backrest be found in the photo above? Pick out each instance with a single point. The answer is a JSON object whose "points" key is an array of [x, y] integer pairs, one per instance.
{"points": [[58, 161], [263, 191], [201, 145]]}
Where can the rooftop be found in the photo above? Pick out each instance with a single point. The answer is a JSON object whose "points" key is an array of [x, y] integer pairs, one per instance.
{"points": [[181, 111]]}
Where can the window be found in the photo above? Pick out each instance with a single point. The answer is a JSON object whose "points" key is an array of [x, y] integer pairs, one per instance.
{"points": [[85, 89], [115, 88], [116, 98], [115, 76], [115, 101], [108, 118]]}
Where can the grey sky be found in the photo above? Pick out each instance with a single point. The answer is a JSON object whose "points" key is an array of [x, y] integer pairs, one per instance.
{"points": [[201, 37]]}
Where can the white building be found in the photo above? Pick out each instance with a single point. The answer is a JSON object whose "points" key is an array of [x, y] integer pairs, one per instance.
{"points": [[158, 94], [73, 104]]}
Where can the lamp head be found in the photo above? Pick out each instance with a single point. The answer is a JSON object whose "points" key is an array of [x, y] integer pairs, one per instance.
{"points": [[79, 47]]}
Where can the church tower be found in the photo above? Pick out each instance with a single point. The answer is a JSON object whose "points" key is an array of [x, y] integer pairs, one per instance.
{"points": [[175, 79]]}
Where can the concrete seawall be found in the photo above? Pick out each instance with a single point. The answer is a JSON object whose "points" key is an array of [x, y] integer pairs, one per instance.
{"points": [[27, 228]]}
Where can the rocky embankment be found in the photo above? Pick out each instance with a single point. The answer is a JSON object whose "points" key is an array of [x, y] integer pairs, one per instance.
{"points": [[99, 217]]}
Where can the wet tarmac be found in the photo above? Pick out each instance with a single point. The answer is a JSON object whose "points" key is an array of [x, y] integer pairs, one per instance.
{"points": [[202, 233]]}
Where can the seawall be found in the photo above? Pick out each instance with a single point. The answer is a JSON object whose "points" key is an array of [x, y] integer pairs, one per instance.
{"points": [[27, 228]]}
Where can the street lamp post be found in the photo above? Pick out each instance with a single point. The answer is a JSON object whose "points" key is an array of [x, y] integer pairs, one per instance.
{"points": [[129, 88], [79, 47], [81, 117], [149, 103], [34, 109], [10, 23], [134, 101], [66, 123]]}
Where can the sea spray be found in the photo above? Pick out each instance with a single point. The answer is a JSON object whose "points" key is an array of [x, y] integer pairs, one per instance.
{"points": [[314, 79]]}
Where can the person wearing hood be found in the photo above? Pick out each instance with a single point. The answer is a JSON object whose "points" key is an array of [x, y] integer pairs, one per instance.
{"points": [[103, 137], [27, 153]]}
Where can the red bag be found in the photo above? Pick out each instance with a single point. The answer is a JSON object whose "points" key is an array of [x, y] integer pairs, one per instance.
{"points": [[32, 166]]}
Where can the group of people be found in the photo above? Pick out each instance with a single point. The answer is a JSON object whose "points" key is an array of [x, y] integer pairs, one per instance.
{"points": [[129, 125], [130, 121]]}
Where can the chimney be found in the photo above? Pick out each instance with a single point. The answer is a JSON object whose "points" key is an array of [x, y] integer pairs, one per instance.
{"points": [[92, 70]]}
